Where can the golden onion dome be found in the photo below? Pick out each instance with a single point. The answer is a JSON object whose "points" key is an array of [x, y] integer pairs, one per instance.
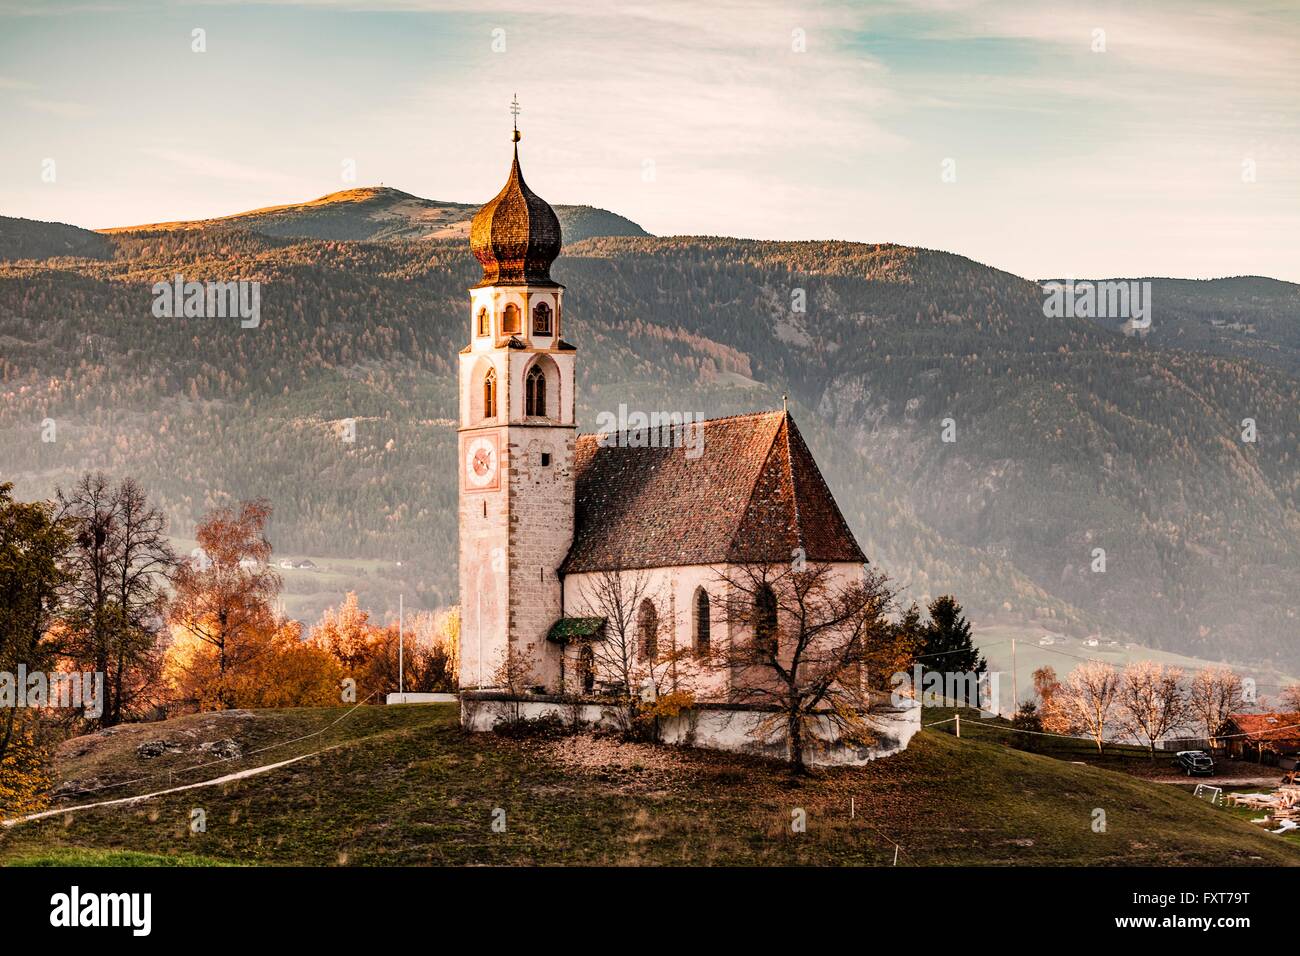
{"points": [[516, 236]]}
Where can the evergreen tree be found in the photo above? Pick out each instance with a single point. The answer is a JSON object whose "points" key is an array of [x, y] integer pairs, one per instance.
{"points": [[948, 647]]}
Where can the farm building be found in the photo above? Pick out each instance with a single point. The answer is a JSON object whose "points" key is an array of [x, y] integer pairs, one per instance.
{"points": [[1265, 738]]}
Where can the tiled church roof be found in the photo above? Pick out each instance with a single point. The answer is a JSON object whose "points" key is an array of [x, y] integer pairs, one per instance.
{"points": [[754, 495]]}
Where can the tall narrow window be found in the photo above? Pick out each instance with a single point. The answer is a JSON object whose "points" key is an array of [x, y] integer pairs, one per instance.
{"points": [[647, 625], [701, 621], [535, 392], [541, 319], [484, 322], [490, 394], [587, 668], [765, 641], [510, 320]]}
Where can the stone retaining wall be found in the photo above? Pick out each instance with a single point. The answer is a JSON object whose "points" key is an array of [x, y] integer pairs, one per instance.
{"points": [[711, 726]]}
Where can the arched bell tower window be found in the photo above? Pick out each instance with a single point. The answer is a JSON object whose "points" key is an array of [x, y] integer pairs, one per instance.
{"points": [[535, 393], [490, 394], [510, 320], [702, 630], [541, 319], [484, 322], [647, 625]]}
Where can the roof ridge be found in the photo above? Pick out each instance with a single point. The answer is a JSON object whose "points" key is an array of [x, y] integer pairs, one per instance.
{"points": [[740, 415], [700, 421], [794, 487]]}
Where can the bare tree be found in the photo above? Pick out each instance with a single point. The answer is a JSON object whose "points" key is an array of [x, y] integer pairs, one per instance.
{"points": [[1088, 698], [635, 654], [812, 642], [1290, 698], [121, 563], [90, 617], [1212, 695], [514, 674], [143, 567], [1152, 701]]}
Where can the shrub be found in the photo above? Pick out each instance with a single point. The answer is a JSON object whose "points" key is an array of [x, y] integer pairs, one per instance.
{"points": [[546, 727]]}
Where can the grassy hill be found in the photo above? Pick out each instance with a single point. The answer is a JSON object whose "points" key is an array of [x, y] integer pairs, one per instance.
{"points": [[404, 786]]}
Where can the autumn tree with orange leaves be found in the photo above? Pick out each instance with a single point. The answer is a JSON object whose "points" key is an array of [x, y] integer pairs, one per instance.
{"points": [[276, 668], [222, 605], [369, 653]]}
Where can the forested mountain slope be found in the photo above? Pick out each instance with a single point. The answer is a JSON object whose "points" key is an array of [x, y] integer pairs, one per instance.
{"points": [[1067, 436]]}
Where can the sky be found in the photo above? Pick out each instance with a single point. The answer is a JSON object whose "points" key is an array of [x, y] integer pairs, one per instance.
{"points": [[1051, 139]]}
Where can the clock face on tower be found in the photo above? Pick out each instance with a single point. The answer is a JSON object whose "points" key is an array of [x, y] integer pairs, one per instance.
{"points": [[481, 463]]}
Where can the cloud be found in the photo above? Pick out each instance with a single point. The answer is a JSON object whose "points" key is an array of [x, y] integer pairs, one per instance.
{"points": [[62, 108], [1238, 41], [214, 167]]}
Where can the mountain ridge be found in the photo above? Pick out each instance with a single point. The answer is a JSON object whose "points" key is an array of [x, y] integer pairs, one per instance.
{"points": [[383, 213]]}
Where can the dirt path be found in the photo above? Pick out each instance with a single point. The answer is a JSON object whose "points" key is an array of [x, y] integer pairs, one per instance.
{"points": [[122, 801], [1225, 782]]}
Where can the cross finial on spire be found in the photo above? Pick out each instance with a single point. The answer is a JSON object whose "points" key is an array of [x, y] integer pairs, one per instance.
{"points": [[785, 403], [514, 111]]}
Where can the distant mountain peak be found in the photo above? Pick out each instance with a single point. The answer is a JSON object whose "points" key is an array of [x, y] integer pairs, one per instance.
{"points": [[378, 213]]}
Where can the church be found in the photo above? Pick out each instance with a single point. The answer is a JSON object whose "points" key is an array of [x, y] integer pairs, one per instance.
{"points": [[549, 517]]}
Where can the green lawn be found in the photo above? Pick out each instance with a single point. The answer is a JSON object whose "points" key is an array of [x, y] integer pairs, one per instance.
{"points": [[404, 785], [1128, 758]]}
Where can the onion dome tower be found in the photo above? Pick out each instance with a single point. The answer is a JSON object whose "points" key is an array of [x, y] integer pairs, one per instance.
{"points": [[517, 435], [516, 236]]}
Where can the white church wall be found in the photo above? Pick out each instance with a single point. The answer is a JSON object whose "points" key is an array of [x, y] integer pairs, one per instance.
{"points": [[673, 591], [474, 369]]}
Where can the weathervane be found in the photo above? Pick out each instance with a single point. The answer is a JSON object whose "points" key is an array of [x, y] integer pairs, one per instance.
{"points": [[514, 111]]}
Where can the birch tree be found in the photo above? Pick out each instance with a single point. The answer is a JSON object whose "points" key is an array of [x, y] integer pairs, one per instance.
{"points": [[1212, 695], [1088, 698], [1152, 701]]}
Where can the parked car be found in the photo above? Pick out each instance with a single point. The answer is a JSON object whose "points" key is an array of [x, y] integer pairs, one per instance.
{"points": [[1194, 762]]}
